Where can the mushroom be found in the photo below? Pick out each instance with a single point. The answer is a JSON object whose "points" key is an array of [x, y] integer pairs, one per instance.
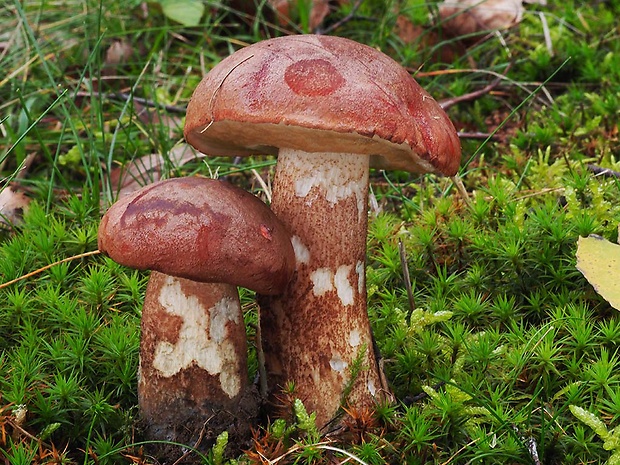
{"points": [[330, 108], [202, 238]]}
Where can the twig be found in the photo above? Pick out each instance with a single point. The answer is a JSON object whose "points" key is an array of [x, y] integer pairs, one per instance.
{"points": [[410, 400], [22, 431], [522, 85], [543, 191], [447, 103], [470, 443], [530, 443], [373, 205], [477, 135], [546, 33], [25, 166], [500, 37], [342, 451], [342, 21], [406, 277], [605, 172], [263, 184], [123, 97], [47, 267], [458, 182], [260, 358], [196, 444]]}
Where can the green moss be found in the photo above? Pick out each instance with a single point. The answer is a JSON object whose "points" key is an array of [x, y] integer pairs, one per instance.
{"points": [[500, 343]]}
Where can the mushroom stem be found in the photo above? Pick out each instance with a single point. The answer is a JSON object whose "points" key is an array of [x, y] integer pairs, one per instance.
{"points": [[193, 362], [315, 332]]}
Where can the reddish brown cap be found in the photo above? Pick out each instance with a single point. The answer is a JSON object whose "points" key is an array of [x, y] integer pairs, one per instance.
{"points": [[200, 229], [321, 94]]}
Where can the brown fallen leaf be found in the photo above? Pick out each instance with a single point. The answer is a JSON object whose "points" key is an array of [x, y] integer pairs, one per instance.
{"points": [[153, 116], [13, 204], [145, 170], [320, 10], [432, 47], [117, 53], [318, 13], [113, 71], [465, 17], [282, 10]]}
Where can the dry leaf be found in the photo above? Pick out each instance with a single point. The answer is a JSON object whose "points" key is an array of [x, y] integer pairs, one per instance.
{"points": [[463, 17], [147, 169], [117, 53], [153, 116], [117, 56], [320, 10], [431, 46], [13, 204], [599, 261], [282, 9]]}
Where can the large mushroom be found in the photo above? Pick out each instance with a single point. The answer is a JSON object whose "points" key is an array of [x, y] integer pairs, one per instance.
{"points": [[202, 238], [330, 108]]}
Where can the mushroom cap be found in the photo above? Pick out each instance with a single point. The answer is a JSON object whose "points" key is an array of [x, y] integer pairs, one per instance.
{"points": [[200, 229], [321, 94]]}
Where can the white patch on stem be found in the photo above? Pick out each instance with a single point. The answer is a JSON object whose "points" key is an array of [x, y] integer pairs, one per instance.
{"points": [[224, 311], [202, 337], [371, 387], [355, 338], [337, 364], [321, 281], [302, 254], [325, 280], [343, 286], [360, 269]]}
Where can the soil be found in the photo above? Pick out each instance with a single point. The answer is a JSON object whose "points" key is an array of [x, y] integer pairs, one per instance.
{"points": [[175, 444]]}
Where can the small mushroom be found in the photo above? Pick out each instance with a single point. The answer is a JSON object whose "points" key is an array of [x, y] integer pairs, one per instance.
{"points": [[330, 108], [202, 238]]}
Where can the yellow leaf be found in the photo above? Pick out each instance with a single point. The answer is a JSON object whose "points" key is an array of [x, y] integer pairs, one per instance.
{"points": [[186, 12], [599, 261]]}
